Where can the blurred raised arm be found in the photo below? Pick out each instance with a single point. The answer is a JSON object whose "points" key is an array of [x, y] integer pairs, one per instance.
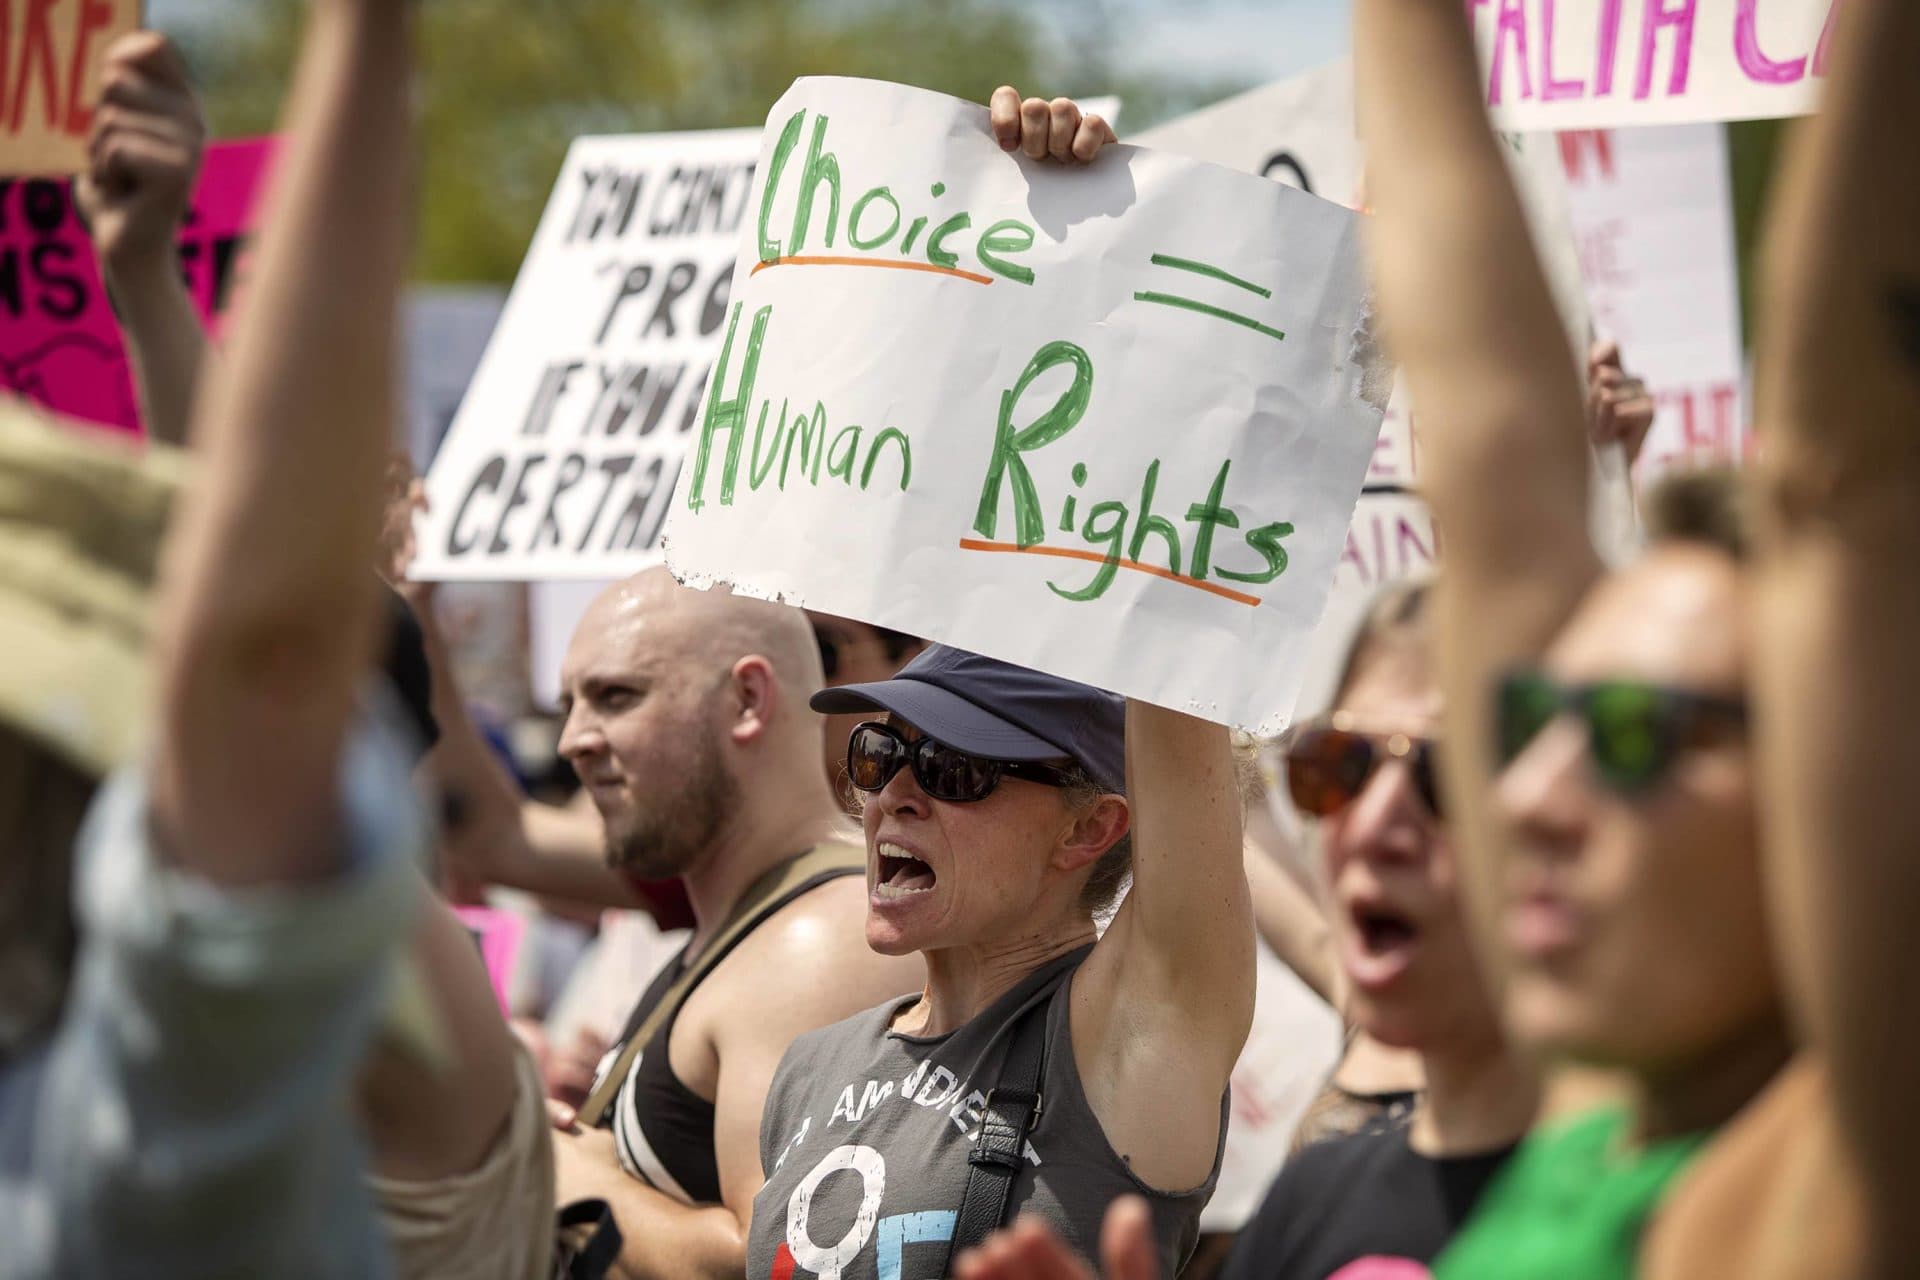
{"points": [[142, 159], [1838, 619], [1468, 314], [267, 610]]}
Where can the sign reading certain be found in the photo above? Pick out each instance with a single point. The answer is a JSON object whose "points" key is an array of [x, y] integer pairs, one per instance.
{"points": [[1108, 421]]}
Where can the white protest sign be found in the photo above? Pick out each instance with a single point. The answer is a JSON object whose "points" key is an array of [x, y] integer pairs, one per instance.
{"points": [[1586, 64], [1301, 131], [563, 456], [1107, 423], [565, 449], [1298, 131], [1653, 217]]}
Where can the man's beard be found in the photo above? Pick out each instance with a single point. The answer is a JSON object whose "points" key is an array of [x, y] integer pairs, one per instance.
{"points": [[669, 841]]}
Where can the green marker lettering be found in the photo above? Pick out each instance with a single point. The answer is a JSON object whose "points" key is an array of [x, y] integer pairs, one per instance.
{"points": [[1265, 540], [873, 456], [841, 463], [1009, 443], [1006, 236], [802, 428], [782, 148], [758, 470], [913, 233], [1208, 514], [1150, 523], [822, 166], [727, 415], [935, 254], [1066, 512], [1113, 534], [859, 207]]}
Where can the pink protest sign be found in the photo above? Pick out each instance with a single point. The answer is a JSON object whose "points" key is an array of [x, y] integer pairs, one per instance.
{"points": [[59, 342], [499, 935], [1599, 64]]}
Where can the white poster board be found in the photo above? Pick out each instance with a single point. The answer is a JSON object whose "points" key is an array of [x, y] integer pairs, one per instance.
{"points": [[1298, 131], [1301, 131], [563, 456], [566, 447], [1653, 216], [1595, 64], [1106, 423]]}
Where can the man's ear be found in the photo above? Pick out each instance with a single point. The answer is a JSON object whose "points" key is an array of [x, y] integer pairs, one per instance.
{"points": [[1097, 829], [756, 692]]}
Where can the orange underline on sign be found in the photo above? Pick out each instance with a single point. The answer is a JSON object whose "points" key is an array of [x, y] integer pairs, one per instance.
{"points": [[820, 260], [1094, 557]]}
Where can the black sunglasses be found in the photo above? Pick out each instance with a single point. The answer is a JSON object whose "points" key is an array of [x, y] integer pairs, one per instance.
{"points": [[1635, 730], [1328, 766], [875, 752]]}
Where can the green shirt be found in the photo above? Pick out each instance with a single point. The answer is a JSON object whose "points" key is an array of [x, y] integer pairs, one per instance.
{"points": [[1570, 1205]]}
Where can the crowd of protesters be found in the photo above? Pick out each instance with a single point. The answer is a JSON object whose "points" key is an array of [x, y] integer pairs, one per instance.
{"points": [[1608, 872]]}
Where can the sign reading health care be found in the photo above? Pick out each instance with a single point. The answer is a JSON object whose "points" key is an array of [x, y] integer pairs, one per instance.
{"points": [[1586, 64], [1110, 422]]}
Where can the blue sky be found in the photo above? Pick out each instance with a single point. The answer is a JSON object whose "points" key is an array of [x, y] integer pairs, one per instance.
{"points": [[1253, 40]]}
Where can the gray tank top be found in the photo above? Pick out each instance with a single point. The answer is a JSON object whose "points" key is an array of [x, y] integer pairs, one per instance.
{"points": [[865, 1137]]}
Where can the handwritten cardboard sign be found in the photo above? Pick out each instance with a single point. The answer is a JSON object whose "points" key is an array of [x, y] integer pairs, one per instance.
{"points": [[60, 344], [1594, 64], [564, 452], [51, 52], [566, 448], [1300, 131], [1109, 423]]}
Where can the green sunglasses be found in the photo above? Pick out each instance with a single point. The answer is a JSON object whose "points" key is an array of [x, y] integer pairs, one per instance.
{"points": [[1635, 730]]}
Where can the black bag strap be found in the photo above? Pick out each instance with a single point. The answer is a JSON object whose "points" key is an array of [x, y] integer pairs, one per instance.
{"points": [[1013, 1108], [591, 1223], [763, 898]]}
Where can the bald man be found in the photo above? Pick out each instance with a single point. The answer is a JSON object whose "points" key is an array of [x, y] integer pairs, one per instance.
{"points": [[687, 721]]}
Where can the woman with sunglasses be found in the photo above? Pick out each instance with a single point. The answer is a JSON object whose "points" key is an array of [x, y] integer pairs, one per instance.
{"points": [[1399, 1188], [1393, 1191], [1003, 809], [1612, 831]]}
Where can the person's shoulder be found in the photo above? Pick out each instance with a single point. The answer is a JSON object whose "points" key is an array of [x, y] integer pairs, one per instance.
{"points": [[809, 965], [819, 932]]}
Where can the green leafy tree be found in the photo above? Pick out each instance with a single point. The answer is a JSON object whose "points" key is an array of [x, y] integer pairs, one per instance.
{"points": [[506, 84]]}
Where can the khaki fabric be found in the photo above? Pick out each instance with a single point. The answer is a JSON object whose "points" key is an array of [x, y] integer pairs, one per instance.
{"points": [[495, 1222], [82, 516]]}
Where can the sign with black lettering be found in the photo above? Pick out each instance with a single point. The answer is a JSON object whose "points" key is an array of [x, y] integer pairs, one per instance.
{"points": [[60, 342], [564, 454]]}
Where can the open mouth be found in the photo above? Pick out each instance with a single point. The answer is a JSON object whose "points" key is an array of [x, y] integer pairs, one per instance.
{"points": [[1382, 931], [901, 873]]}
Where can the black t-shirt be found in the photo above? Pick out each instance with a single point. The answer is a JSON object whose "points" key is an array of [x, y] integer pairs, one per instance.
{"points": [[1360, 1208]]}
